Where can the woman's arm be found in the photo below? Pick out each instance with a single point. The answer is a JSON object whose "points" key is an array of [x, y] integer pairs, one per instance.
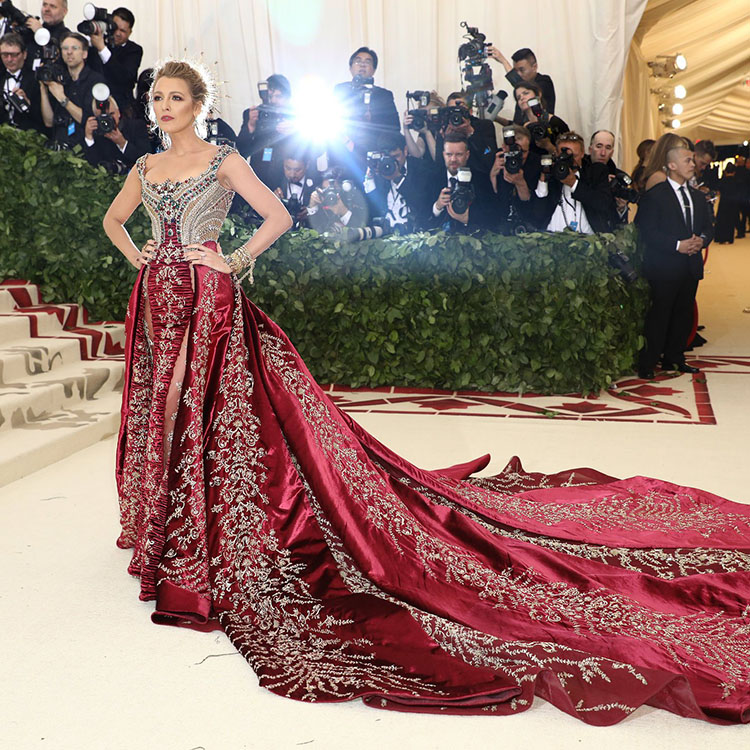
{"points": [[236, 174], [118, 213]]}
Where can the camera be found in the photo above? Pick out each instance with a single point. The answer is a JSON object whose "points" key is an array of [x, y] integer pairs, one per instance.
{"points": [[462, 195], [514, 155], [547, 162], [330, 195], [115, 167], [475, 48], [50, 69], [268, 115], [382, 164], [454, 115], [212, 134], [17, 102], [293, 205], [15, 17], [419, 116], [622, 187], [357, 234], [105, 123], [540, 128], [98, 21], [563, 164], [621, 262]]}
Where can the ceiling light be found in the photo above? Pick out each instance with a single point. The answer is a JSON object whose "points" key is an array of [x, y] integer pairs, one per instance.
{"points": [[680, 62], [675, 124], [680, 91], [677, 109]]}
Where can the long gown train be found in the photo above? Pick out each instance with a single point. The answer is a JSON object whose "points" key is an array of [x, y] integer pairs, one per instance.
{"points": [[341, 571]]}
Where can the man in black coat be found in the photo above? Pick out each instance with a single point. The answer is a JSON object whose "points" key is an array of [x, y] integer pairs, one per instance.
{"points": [[524, 69], [120, 57], [122, 146], [581, 200], [675, 226], [444, 214], [19, 85], [296, 185], [369, 112], [396, 189]]}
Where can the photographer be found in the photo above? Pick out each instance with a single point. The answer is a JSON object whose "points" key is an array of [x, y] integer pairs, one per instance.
{"points": [[601, 148], [424, 145], [513, 178], [114, 141], [267, 131], [457, 120], [296, 186], [463, 201], [395, 185], [524, 71], [543, 126], [21, 104], [571, 197], [53, 19], [336, 205], [369, 112], [63, 104], [120, 57]]}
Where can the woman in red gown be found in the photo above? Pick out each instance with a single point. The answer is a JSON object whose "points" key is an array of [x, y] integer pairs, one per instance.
{"points": [[339, 569]]}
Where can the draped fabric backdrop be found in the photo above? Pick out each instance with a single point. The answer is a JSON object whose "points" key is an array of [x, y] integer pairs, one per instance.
{"points": [[585, 45]]}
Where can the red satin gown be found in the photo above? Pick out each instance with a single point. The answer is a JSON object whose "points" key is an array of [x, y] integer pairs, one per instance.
{"points": [[339, 570]]}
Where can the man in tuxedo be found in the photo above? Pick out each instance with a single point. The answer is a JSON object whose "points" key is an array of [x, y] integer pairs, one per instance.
{"points": [[120, 58], [19, 83], [337, 205], [601, 148], [122, 146], [400, 196], [65, 106], [369, 112], [443, 214], [296, 186], [581, 200], [674, 224]]}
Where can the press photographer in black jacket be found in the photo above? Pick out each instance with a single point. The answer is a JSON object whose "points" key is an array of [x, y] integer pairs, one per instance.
{"points": [[571, 196], [20, 105], [120, 57], [396, 185], [369, 112]]}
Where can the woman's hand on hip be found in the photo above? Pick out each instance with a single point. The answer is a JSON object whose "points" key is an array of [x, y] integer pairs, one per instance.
{"points": [[200, 255], [144, 256]]}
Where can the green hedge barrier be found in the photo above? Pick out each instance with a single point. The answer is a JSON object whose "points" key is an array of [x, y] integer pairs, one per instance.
{"points": [[539, 312]]}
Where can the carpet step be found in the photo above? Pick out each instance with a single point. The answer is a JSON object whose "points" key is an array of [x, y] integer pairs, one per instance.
{"points": [[33, 446], [35, 398], [29, 357]]}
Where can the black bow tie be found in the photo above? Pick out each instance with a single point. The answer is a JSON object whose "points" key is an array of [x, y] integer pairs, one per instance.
{"points": [[298, 184]]}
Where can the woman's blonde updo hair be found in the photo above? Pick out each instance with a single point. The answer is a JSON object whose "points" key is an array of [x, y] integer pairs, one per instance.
{"points": [[200, 85]]}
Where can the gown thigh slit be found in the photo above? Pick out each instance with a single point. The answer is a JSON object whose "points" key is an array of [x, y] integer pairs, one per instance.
{"points": [[340, 570]]}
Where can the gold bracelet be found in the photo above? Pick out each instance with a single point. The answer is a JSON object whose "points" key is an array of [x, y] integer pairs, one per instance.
{"points": [[241, 259]]}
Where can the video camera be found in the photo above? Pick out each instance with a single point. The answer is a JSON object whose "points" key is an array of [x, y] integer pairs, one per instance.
{"points": [[15, 16], [50, 69], [622, 187], [514, 154], [382, 164], [105, 123], [463, 194], [98, 21], [476, 71], [559, 166]]}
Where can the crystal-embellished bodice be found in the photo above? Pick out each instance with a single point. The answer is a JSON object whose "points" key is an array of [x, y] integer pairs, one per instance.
{"points": [[186, 211]]}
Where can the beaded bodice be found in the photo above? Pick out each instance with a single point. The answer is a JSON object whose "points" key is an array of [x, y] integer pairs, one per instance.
{"points": [[186, 211]]}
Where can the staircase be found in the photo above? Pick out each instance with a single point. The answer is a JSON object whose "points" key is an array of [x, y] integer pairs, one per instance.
{"points": [[60, 380]]}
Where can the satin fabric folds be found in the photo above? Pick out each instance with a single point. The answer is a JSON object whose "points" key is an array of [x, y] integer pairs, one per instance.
{"points": [[341, 571]]}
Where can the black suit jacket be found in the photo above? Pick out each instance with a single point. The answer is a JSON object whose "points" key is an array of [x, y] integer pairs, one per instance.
{"points": [[482, 146], [592, 191], [414, 190], [121, 71], [104, 150], [309, 183], [33, 120], [661, 225], [481, 211]]}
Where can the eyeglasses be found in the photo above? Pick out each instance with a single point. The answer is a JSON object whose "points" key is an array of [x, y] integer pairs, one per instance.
{"points": [[11, 54]]}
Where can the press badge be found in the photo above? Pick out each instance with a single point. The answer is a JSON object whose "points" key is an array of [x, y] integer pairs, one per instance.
{"points": [[267, 154], [71, 128], [574, 226]]}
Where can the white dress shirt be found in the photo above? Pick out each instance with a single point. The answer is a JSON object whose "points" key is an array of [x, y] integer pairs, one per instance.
{"points": [[569, 212]]}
